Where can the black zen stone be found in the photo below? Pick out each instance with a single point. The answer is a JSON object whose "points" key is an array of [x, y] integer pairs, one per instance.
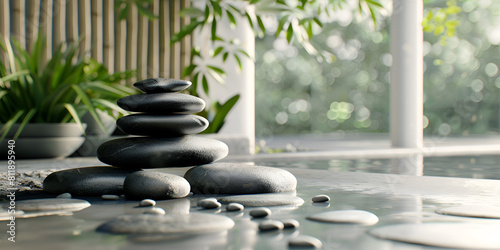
{"points": [[155, 185], [162, 85], [150, 152], [237, 178], [87, 181], [162, 103], [162, 125]]}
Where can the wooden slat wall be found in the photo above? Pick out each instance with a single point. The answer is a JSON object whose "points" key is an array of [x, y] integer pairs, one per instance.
{"points": [[136, 43]]}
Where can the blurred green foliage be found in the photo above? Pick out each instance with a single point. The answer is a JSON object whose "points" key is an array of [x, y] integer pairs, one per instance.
{"points": [[301, 94]]}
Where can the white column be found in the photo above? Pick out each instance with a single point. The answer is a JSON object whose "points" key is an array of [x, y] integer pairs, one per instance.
{"points": [[239, 129], [406, 125]]}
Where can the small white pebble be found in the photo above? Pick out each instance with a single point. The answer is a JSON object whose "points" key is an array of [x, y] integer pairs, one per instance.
{"points": [[154, 210], [260, 212], [110, 197], [321, 198], [64, 195], [305, 241], [147, 203], [270, 225], [234, 207], [209, 203], [290, 223]]}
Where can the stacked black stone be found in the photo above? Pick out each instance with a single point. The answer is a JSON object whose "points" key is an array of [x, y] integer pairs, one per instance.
{"points": [[166, 124]]}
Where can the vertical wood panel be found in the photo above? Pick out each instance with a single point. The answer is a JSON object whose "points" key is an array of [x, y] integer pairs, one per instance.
{"points": [[4, 26], [153, 42], [120, 44], [142, 48], [72, 21], [18, 23], [175, 50], [46, 14], [164, 39], [186, 42], [33, 23], [109, 39], [132, 34], [84, 26], [59, 32], [97, 35]]}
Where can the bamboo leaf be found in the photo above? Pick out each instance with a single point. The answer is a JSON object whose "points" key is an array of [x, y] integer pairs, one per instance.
{"points": [[188, 70], [191, 12], [231, 18], [71, 109], [185, 30], [289, 33], [224, 56], [222, 111], [218, 51], [214, 30], [238, 61], [204, 84], [281, 24], [261, 25], [216, 69]]}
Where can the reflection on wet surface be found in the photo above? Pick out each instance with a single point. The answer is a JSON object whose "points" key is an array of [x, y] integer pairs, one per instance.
{"points": [[351, 184]]}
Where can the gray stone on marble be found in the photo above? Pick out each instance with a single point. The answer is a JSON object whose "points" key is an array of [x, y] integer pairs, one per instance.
{"points": [[87, 181], [260, 200], [237, 178], [162, 103], [52, 204], [162, 125], [162, 85], [270, 225], [149, 152], [155, 185], [304, 242], [346, 217]]}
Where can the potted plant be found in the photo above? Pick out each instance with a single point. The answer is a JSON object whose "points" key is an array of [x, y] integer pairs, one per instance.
{"points": [[59, 92]]}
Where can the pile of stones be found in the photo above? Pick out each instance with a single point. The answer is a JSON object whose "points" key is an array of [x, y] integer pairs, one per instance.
{"points": [[163, 128]]}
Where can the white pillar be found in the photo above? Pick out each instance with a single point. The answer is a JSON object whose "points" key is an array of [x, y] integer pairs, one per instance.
{"points": [[406, 125], [239, 129]]}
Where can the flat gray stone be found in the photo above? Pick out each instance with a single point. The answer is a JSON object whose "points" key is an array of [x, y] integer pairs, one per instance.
{"points": [[154, 210], [87, 181], [346, 216], [304, 241], [193, 223], [162, 103], [231, 207], [52, 204], [492, 212], [110, 197], [263, 200], [260, 212], [155, 185], [147, 203], [290, 223], [162, 125], [162, 85], [454, 235], [270, 225], [320, 198], [149, 152], [236, 178], [209, 203]]}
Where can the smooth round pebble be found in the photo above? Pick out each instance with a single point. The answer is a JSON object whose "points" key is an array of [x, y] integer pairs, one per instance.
{"points": [[110, 197], [209, 203], [491, 212], [52, 204], [304, 241], [64, 195], [164, 152], [154, 210], [290, 223], [263, 200], [321, 198], [144, 224], [162, 85], [147, 203], [260, 212], [162, 103], [87, 181], [237, 178], [346, 216], [454, 235], [270, 225], [234, 207], [155, 185]]}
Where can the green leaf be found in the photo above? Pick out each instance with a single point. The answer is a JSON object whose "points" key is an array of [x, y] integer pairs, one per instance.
{"points": [[254, 1], [318, 22], [244, 53], [231, 18], [71, 109], [188, 70], [222, 111], [289, 33], [25, 121], [373, 2], [88, 103], [185, 30], [218, 51], [204, 84], [191, 12], [216, 69], [309, 30], [8, 125], [281, 24], [214, 30], [261, 25], [250, 21], [110, 105], [224, 56], [238, 61]]}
